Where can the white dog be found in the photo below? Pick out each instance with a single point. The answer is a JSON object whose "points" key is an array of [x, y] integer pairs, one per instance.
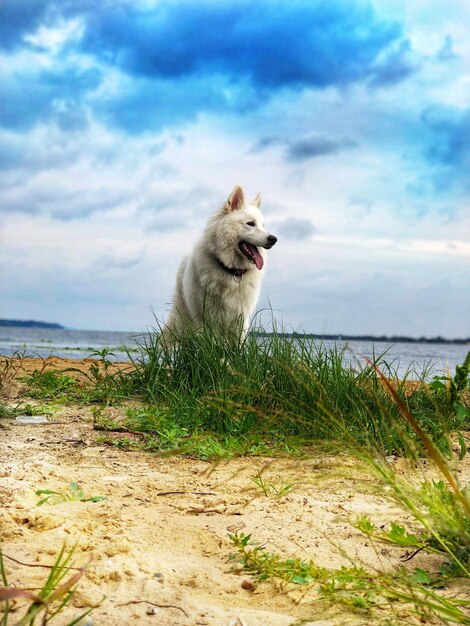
{"points": [[219, 282]]}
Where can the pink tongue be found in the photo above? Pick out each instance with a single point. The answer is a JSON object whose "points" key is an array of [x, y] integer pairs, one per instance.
{"points": [[258, 259], [253, 254]]}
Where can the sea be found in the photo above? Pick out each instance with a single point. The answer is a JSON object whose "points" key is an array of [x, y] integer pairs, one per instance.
{"points": [[413, 359]]}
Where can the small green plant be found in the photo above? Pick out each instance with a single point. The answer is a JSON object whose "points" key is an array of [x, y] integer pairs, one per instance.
{"points": [[270, 488], [354, 588], [100, 386], [38, 409], [7, 412], [101, 421], [57, 497], [397, 534], [51, 385], [442, 521], [453, 393], [100, 370], [108, 385], [49, 602], [119, 442], [10, 366], [440, 508], [457, 388]]}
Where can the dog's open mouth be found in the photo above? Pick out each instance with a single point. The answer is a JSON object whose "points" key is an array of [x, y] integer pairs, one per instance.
{"points": [[252, 253]]}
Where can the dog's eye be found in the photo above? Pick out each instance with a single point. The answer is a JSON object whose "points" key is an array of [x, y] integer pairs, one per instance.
{"points": [[250, 224]]}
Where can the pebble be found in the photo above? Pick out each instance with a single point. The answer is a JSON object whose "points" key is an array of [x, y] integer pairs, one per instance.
{"points": [[152, 610]]}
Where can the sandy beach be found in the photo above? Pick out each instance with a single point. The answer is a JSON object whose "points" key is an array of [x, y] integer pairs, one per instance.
{"points": [[158, 544]]}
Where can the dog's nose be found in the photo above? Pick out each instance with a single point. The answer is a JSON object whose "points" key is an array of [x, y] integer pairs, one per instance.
{"points": [[272, 240]]}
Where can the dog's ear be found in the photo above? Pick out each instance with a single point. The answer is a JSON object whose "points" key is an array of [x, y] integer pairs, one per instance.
{"points": [[236, 199], [257, 200]]}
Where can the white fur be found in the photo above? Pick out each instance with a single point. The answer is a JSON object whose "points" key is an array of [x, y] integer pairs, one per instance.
{"points": [[205, 291]]}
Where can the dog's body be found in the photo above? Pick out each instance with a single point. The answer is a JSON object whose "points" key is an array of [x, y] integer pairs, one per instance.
{"points": [[219, 282]]}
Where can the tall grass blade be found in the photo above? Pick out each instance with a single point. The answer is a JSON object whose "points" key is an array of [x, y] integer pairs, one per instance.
{"points": [[431, 449]]}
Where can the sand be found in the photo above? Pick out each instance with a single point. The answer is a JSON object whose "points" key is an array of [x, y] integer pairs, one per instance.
{"points": [[159, 543]]}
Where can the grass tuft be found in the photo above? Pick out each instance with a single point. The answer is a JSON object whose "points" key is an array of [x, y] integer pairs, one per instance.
{"points": [[49, 602], [354, 588], [276, 386]]}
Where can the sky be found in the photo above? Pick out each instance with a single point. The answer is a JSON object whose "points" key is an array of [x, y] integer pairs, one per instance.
{"points": [[124, 124]]}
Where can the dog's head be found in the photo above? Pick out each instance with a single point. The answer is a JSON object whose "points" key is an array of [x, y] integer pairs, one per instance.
{"points": [[240, 225]]}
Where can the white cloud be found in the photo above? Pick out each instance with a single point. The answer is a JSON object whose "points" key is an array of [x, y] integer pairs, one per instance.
{"points": [[95, 221]]}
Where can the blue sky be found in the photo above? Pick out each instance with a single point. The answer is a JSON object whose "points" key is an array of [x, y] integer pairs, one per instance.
{"points": [[125, 124]]}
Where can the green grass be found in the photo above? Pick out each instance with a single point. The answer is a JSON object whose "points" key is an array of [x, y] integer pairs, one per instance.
{"points": [[270, 488], [209, 396], [10, 412], [58, 497], [379, 597], [280, 389], [438, 523], [7, 412], [277, 387], [49, 602], [100, 386], [10, 367], [440, 510], [273, 390]]}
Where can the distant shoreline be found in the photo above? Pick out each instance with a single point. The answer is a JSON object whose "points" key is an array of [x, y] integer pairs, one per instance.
{"points": [[293, 335], [31, 324], [371, 338]]}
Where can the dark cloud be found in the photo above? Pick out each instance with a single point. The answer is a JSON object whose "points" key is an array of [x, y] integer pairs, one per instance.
{"points": [[396, 66], [449, 144], [29, 98], [64, 200], [271, 45], [316, 146], [20, 18], [308, 147], [146, 105], [286, 43], [17, 18], [267, 142], [446, 52], [181, 58], [295, 228]]}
